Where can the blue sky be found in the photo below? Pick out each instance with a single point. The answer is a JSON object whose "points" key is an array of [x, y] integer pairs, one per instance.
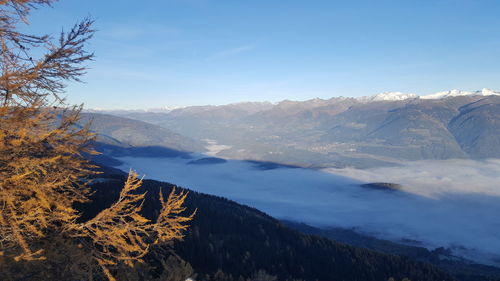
{"points": [[155, 53]]}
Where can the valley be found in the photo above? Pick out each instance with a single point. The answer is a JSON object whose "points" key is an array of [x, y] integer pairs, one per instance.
{"points": [[421, 213], [414, 171], [203, 140], [343, 132]]}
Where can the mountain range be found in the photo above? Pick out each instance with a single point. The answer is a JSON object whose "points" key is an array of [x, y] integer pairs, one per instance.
{"points": [[338, 132], [383, 130]]}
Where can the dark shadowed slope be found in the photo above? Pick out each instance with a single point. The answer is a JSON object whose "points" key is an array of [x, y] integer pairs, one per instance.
{"points": [[443, 258], [227, 241]]}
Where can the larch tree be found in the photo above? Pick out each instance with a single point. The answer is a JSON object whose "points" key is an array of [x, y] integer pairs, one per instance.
{"points": [[43, 172]]}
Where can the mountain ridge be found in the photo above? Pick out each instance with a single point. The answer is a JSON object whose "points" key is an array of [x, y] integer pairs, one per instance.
{"points": [[342, 132], [383, 96]]}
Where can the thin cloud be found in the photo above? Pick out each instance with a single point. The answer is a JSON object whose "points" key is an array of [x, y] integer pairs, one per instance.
{"points": [[133, 32], [231, 52]]}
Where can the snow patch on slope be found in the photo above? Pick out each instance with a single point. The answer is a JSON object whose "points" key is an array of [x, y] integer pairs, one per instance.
{"points": [[458, 93], [390, 96], [399, 96]]}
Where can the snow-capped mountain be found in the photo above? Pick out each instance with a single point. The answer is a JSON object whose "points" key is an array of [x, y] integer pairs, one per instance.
{"points": [[389, 96], [398, 96], [456, 93]]}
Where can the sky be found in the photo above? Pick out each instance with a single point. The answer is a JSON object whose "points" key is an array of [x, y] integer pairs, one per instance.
{"points": [[156, 53]]}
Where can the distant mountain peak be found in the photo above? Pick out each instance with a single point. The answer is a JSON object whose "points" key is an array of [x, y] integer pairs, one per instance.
{"points": [[256, 106], [489, 92], [458, 93], [389, 96], [165, 108], [399, 96]]}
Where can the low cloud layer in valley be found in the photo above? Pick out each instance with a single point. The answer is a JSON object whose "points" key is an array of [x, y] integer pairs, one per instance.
{"points": [[453, 203], [435, 179]]}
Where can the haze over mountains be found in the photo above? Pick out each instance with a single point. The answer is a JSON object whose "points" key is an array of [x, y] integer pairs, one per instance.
{"points": [[134, 133], [360, 132], [438, 150]]}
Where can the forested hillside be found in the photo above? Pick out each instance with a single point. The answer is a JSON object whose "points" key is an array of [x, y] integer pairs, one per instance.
{"points": [[228, 241]]}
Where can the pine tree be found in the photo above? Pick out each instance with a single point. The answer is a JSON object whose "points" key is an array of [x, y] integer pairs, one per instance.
{"points": [[43, 172]]}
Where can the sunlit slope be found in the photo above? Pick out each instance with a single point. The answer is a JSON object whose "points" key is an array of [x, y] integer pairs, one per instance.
{"points": [[345, 131], [128, 132]]}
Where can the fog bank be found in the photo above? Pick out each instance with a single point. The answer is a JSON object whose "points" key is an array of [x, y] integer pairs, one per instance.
{"points": [[453, 204]]}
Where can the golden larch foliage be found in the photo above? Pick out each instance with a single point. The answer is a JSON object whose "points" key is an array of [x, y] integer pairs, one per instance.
{"points": [[43, 171], [40, 171], [120, 234]]}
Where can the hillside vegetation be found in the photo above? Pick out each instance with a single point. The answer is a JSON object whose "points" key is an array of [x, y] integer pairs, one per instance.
{"points": [[228, 241]]}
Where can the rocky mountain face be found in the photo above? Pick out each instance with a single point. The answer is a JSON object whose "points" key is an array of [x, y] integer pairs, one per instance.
{"points": [[345, 131]]}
